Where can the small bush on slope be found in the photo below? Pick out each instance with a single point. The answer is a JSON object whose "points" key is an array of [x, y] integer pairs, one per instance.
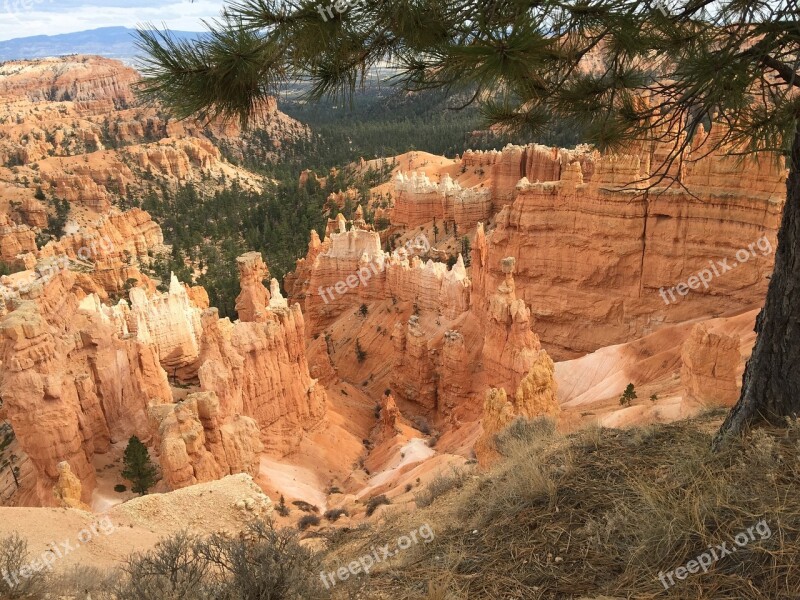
{"points": [[13, 557], [440, 485], [307, 521], [376, 501], [261, 563], [335, 513]]}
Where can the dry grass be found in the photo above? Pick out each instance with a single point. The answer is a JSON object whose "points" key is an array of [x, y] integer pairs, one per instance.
{"points": [[440, 485], [601, 514]]}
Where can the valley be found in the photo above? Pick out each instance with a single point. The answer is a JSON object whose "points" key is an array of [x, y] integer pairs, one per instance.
{"points": [[167, 280]]}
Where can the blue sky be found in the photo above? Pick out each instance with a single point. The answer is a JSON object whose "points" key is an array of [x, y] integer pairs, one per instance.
{"points": [[22, 18]]}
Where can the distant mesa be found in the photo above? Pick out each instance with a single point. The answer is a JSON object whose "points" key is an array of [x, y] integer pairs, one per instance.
{"points": [[110, 42]]}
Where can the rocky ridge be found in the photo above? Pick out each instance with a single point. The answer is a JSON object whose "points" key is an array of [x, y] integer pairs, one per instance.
{"points": [[73, 128]]}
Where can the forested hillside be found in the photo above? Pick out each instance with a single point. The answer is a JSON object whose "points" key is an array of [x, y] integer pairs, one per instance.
{"points": [[208, 233]]}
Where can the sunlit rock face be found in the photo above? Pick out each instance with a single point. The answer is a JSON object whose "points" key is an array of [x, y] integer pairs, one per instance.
{"points": [[78, 375], [70, 384], [257, 366], [349, 268], [600, 264], [709, 368], [195, 444]]}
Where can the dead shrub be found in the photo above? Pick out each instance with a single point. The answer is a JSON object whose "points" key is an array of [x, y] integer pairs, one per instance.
{"points": [[421, 423], [334, 514], [306, 506], [13, 558], [439, 486], [262, 562], [307, 521], [376, 501]]}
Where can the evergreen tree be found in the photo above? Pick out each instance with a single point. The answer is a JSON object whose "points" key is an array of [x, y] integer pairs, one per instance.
{"points": [[466, 251], [139, 469], [628, 395], [661, 72]]}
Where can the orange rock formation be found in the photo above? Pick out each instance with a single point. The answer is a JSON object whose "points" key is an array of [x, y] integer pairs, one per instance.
{"points": [[598, 251], [70, 385], [709, 371], [68, 488], [195, 445], [78, 375]]}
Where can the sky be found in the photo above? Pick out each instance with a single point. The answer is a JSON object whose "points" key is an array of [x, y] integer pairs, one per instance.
{"points": [[23, 18]]}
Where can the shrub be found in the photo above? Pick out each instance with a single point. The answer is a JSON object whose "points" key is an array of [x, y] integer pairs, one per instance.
{"points": [[440, 485], [421, 423], [363, 310], [174, 568], [13, 557], [361, 354], [307, 521], [119, 488], [333, 514], [82, 581], [305, 506], [376, 501], [262, 562]]}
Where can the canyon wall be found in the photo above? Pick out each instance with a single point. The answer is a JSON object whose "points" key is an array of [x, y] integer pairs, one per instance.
{"points": [[70, 385], [418, 200], [78, 375], [606, 250], [599, 265], [349, 268], [571, 251], [196, 445], [445, 345], [105, 255], [258, 367]]}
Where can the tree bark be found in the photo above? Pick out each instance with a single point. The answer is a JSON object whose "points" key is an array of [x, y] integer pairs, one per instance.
{"points": [[771, 382]]}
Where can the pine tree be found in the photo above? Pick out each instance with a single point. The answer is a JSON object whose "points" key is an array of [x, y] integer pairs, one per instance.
{"points": [[139, 469], [466, 249], [628, 395], [659, 73]]}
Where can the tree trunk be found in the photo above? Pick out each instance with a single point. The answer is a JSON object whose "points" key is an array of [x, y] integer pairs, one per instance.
{"points": [[771, 382]]}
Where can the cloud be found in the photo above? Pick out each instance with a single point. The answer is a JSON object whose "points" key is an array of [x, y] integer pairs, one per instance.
{"points": [[22, 18]]}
